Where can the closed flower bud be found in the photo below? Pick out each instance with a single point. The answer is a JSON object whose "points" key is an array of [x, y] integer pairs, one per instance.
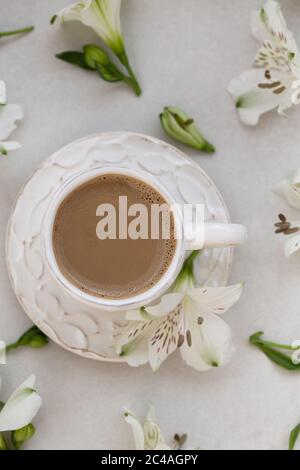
{"points": [[33, 338], [177, 124], [3, 444], [94, 55], [20, 436]]}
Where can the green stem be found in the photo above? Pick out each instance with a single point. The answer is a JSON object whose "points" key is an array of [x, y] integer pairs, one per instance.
{"points": [[278, 346], [131, 80], [256, 339], [12, 346], [187, 271], [17, 31]]}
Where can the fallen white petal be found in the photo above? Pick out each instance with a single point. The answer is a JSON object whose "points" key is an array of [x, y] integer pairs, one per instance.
{"points": [[2, 92], [7, 146], [9, 115], [21, 407], [137, 429], [152, 434]]}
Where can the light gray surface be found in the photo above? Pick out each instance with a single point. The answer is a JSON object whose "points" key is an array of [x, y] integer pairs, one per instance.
{"points": [[185, 52]]}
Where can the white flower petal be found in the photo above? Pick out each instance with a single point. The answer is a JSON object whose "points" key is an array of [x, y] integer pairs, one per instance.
{"points": [[103, 16], [208, 341], [268, 24], [2, 92], [152, 434], [167, 304], [9, 115], [138, 315], [7, 146], [21, 407], [133, 343], [253, 99], [2, 352], [289, 189], [166, 337], [292, 245], [137, 429], [216, 299]]}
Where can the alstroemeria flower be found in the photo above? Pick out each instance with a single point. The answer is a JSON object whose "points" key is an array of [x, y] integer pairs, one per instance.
{"points": [[289, 189], [21, 407], [147, 435], [103, 16], [187, 318], [275, 80], [9, 115]]}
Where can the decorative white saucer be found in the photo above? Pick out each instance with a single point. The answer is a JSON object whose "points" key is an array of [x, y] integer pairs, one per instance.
{"points": [[87, 331]]}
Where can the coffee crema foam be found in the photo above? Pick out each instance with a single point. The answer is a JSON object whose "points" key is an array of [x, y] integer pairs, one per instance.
{"points": [[112, 268]]}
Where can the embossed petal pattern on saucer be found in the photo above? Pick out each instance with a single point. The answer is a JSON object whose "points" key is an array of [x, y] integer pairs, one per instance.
{"points": [[86, 330]]}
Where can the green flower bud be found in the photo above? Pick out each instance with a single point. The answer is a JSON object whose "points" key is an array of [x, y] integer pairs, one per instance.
{"points": [[94, 55], [33, 338], [20, 436], [181, 127], [3, 445]]}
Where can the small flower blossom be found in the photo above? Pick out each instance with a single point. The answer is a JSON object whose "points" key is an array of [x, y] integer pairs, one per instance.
{"points": [[9, 115], [21, 407], [188, 318], [275, 80], [147, 435], [103, 16]]}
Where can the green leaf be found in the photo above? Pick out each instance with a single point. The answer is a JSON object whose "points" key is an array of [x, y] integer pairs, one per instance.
{"points": [[293, 437], [94, 55], [282, 360], [74, 58], [109, 73], [272, 351]]}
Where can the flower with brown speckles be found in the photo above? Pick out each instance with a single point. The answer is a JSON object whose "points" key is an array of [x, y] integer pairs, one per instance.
{"points": [[188, 318], [274, 82]]}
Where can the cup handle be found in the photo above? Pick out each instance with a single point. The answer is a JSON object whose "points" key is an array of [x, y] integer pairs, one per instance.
{"points": [[214, 235]]}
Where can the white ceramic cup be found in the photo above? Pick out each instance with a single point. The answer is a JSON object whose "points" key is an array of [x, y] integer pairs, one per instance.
{"points": [[207, 235]]}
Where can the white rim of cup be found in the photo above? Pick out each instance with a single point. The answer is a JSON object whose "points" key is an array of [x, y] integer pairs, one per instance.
{"points": [[135, 301]]}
